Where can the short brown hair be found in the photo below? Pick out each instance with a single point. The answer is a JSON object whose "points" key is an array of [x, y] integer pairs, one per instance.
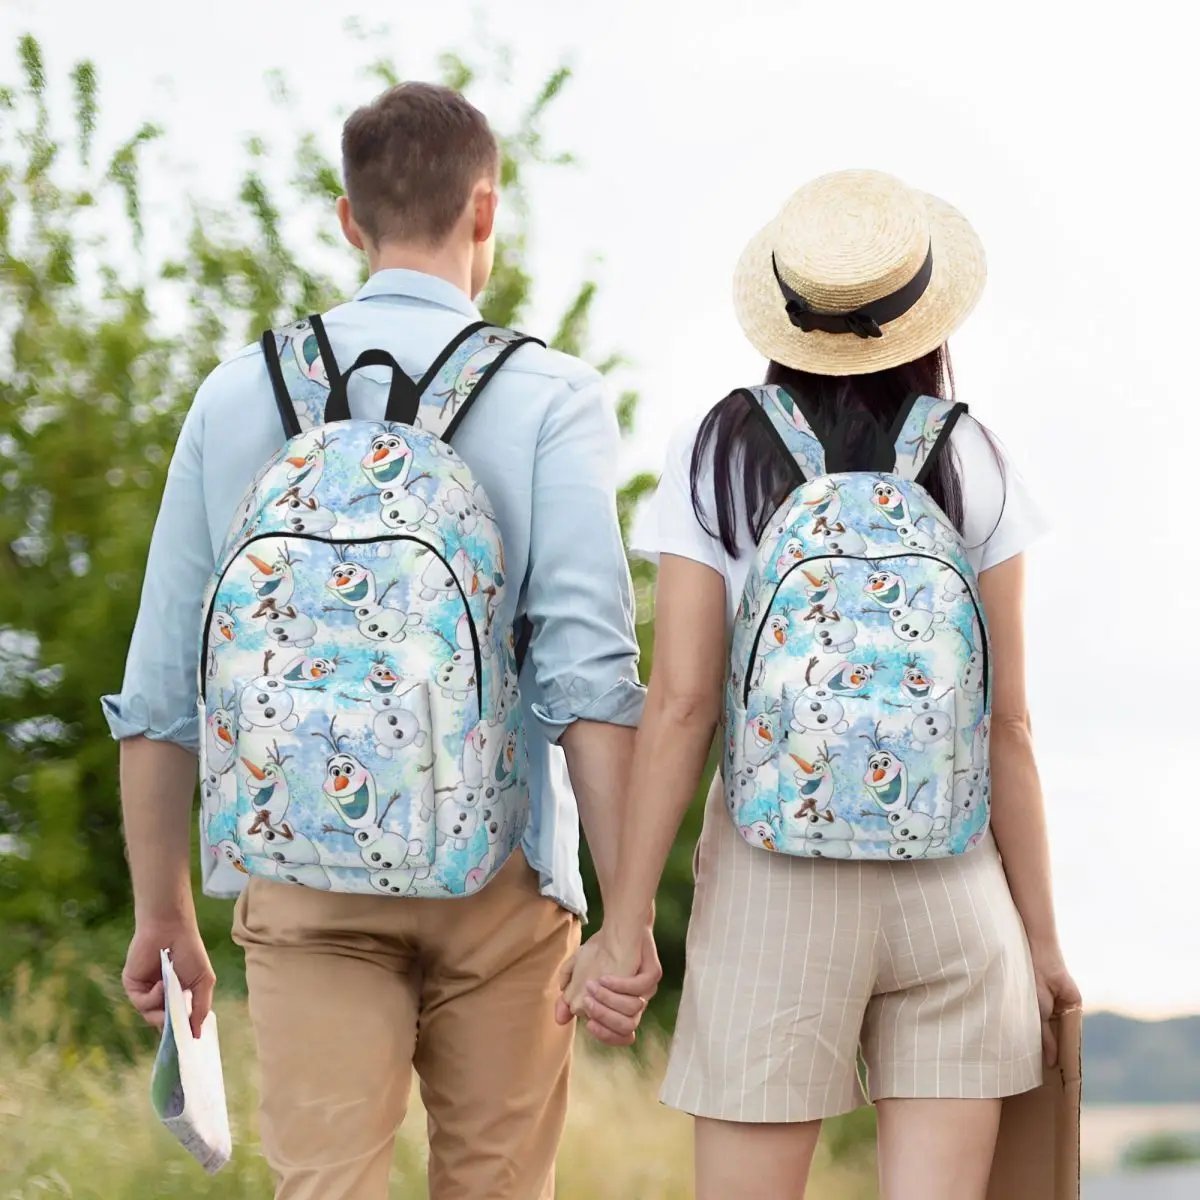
{"points": [[410, 159]]}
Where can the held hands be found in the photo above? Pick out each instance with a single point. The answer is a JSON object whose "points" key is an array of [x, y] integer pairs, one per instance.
{"points": [[142, 977], [609, 986]]}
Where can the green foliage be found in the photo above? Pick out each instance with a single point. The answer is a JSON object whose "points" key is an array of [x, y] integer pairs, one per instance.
{"points": [[1162, 1149], [92, 390]]}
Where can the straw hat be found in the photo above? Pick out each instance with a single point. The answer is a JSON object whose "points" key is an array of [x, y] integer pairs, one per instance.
{"points": [[857, 273]]}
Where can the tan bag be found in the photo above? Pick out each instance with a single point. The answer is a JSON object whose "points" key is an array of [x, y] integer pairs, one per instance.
{"points": [[1037, 1153]]}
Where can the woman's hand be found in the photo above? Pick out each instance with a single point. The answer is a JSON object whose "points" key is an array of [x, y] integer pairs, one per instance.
{"points": [[1056, 992], [610, 986]]}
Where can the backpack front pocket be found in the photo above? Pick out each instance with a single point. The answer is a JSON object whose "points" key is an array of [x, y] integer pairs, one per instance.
{"points": [[343, 790]]}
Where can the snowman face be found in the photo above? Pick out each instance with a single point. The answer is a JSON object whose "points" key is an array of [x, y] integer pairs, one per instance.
{"points": [[321, 668], [224, 628], [382, 679], [915, 682], [267, 703], [387, 459], [352, 583], [351, 789], [760, 834], [776, 632], [884, 495], [793, 551], [760, 728], [229, 852], [221, 726], [806, 771], [886, 589], [882, 768]]}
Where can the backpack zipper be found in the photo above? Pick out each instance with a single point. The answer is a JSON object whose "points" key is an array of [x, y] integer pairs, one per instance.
{"points": [[872, 559], [312, 537]]}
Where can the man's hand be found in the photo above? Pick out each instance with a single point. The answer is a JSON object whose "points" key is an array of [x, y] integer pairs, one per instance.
{"points": [[142, 976], [610, 988]]}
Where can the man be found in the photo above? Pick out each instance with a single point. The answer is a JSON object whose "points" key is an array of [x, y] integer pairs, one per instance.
{"points": [[349, 992]]}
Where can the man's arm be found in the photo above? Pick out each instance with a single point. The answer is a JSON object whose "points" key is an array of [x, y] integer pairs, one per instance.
{"points": [[579, 599], [155, 719]]}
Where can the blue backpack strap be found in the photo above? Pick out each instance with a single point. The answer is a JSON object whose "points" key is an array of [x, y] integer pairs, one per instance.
{"points": [[787, 419], [461, 372], [300, 364], [921, 431]]}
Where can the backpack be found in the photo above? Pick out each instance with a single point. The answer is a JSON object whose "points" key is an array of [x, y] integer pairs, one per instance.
{"points": [[857, 707], [361, 725]]}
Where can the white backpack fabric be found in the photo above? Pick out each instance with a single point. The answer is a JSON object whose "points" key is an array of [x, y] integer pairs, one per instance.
{"points": [[858, 701], [361, 728]]}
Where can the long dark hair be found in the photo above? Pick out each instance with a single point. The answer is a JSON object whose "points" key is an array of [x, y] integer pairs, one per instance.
{"points": [[853, 411]]}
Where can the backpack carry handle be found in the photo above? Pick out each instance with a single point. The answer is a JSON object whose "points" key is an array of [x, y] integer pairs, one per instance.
{"points": [[403, 397]]}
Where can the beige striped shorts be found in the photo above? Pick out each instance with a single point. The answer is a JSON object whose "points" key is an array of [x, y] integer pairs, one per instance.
{"points": [[796, 965]]}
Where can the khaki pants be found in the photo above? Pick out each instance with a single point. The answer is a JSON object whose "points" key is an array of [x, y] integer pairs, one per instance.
{"points": [[349, 993]]}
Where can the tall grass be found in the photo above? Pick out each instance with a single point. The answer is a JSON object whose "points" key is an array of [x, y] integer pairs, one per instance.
{"points": [[76, 1122]]}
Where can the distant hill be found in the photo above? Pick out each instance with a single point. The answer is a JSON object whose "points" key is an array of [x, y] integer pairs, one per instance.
{"points": [[1126, 1061]]}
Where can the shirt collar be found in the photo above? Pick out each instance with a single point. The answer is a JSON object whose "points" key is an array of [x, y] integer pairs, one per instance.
{"points": [[416, 285]]}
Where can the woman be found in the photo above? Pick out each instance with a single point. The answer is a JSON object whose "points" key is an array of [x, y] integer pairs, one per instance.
{"points": [[935, 969]]}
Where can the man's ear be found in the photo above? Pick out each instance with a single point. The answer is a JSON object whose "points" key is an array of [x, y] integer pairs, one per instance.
{"points": [[486, 199], [350, 229]]}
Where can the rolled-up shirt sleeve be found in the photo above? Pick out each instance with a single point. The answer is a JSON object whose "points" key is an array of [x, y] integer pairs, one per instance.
{"points": [[158, 698], [579, 597]]}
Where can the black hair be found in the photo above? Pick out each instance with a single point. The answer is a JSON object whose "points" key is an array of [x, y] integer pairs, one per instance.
{"points": [[853, 410]]}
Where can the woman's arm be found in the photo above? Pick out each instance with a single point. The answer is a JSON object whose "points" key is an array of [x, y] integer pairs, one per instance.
{"points": [[1018, 814], [683, 705]]}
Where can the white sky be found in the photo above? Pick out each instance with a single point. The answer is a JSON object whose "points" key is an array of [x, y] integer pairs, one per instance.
{"points": [[1068, 139]]}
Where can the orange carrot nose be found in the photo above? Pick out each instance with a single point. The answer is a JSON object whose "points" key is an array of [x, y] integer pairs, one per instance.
{"points": [[341, 581], [225, 735], [765, 734], [856, 679], [227, 634], [779, 636], [880, 499], [379, 455], [877, 775], [806, 767], [297, 462], [875, 586], [262, 566], [768, 843], [258, 774], [341, 783]]}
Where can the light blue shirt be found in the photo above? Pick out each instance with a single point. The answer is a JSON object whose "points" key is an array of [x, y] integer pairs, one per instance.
{"points": [[543, 442]]}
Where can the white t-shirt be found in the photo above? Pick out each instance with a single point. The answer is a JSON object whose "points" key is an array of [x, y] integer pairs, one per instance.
{"points": [[1000, 518]]}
